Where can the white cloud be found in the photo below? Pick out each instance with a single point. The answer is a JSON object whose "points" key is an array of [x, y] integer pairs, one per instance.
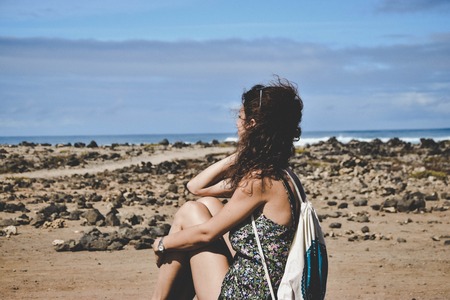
{"points": [[411, 99], [408, 6]]}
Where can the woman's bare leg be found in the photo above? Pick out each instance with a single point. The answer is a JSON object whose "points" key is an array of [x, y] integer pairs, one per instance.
{"points": [[208, 264], [173, 269], [214, 205]]}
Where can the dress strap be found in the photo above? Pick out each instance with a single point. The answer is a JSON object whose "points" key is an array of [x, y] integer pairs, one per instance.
{"points": [[292, 201]]}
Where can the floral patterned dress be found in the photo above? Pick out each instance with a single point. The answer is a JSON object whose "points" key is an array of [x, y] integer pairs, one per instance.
{"points": [[246, 278]]}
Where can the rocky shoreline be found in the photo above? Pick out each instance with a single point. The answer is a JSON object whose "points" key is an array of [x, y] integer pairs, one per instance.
{"points": [[115, 198]]}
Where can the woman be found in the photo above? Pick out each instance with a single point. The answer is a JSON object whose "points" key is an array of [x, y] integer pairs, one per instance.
{"points": [[254, 178]]}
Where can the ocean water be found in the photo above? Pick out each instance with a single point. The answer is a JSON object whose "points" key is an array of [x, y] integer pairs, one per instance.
{"points": [[311, 137]]}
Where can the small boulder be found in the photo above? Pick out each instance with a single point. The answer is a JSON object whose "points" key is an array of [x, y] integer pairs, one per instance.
{"points": [[92, 144], [93, 217], [335, 225], [361, 202]]}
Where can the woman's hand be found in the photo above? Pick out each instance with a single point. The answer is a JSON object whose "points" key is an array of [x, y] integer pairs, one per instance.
{"points": [[212, 181]]}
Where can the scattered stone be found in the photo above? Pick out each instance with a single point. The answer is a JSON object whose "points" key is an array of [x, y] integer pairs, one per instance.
{"points": [[74, 215], [361, 219], [133, 219], [335, 225], [8, 231], [173, 188], [447, 243], [94, 217], [164, 142], [58, 223], [94, 241], [411, 202], [331, 203], [70, 245], [390, 209], [52, 210], [111, 218], [342, 205], [432, 197], [334, 215], [73, 161], [362, 202], [144, 243], [12, 207], [365, 229], [115, 246], [376, 206], [92, 144], [7, 222], [401, 240], [390, 203], [57, 242]]}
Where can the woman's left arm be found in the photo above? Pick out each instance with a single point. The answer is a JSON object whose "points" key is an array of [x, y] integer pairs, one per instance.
{"points": [[243, 202]]}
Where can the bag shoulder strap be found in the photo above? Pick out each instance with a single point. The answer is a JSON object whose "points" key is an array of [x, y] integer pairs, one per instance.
{"points": [[263, 260]]}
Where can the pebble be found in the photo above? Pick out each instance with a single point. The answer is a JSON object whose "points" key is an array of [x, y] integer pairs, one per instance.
{"points": [[390, 209], [335, 225], [10, 230], [362, 202], [365, 229], [343, 205], [401, 240]]}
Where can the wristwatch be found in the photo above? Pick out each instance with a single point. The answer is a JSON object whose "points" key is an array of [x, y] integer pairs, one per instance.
{"points": [[161, 246]]}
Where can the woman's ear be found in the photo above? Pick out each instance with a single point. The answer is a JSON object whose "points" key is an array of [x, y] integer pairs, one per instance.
{"points": [[252, 123]]}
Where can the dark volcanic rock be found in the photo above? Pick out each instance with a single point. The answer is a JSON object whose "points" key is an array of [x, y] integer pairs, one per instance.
{"points": [[432, 197], [70, 245], [164, 142], [173, 188], [411, 201], [335, 225], [362, 202], [53, 209], [79, 145], [161, 230], [94, 240], [73, 161], [111, 218], [94, 217], [92, 144], [12, 207], [74, 215], [343, 205], [145, 242]]}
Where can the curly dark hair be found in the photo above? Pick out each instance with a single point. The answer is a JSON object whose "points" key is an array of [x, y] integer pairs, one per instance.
{"points": [[264, 148]]}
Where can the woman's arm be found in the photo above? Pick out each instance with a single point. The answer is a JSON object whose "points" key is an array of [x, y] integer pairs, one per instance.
{"points": [[243, 202], [211, 181]]}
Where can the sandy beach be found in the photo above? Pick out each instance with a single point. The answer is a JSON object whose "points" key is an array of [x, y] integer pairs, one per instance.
{"points": [[77, 222]]}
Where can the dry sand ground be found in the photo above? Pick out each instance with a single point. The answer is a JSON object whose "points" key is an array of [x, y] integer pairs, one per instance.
{"points": [[381, 269]]}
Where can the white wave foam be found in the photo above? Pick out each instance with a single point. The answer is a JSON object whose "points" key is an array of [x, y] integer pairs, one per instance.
{"points": [[347, 139], [231, 139]]}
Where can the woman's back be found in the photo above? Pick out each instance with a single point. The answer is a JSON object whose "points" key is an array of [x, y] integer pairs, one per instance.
{"points": [[245, 278]]}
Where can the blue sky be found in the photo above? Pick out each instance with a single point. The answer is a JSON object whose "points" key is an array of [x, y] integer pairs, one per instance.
{"points": [[133, 67]]}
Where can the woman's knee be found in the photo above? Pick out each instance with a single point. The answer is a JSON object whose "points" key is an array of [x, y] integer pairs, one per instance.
{"points": [[213, 204], [192, 213]]}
